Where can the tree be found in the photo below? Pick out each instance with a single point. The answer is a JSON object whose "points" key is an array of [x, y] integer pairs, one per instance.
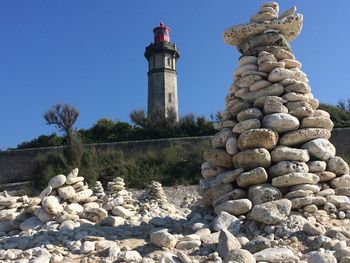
{"points": [[63, 116]]}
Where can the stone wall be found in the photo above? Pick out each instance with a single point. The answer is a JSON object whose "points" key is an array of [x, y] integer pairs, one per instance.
{"points": [[18, 165]]}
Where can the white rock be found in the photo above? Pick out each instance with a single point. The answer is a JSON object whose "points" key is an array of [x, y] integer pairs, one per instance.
{"points": [[292, 179], [320, 148], [66, 192], [31, 223], [81, 196], [275, 255], [57, 181], [161, 238], [231, 146], [246, 125], [52, 205], [282, 153], [234, 207], [304, 135], [87, 247], [280, 122], [271, 212], [338, 166]]}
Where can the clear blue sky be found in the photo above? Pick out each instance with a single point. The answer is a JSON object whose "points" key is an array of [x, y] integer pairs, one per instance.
{"points": [[89, 53]]}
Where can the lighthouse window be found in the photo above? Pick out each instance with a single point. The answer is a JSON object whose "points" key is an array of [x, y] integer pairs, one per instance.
{"points": [[168, 61], [170, 97]]}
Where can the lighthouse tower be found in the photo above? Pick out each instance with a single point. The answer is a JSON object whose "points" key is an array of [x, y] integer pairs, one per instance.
{"points": [[162, 78]]}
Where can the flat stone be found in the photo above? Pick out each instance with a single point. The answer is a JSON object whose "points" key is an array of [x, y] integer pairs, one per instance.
{"points": [[307, 200], [229, 176], [292, 105], [244, 60], [57, 181], [258, 138], [341, 191], [190, 244], [268, 66], [321, 257], [325, 176], [43, 215], [275, 255], [240, 256], [279, 74], [280, 122], [47, 191], [254, 72], [298, 86], [282, 153], [298, 194], [261, 84], [292, 96], [311, 187], [263, 16], [252, 158], [81, 196], [237, 193], [285, 167], [251, 113], [220, 138], [234, 207], [7, 200], [246, 125], [263, 193], [218, 157], [209, 170], [289, 26], [321, 113], [74, 180], [231, 146], [316, 166], [292, 179], [255, 176], [227, 242], [341, 181], [326, 192], [271, 212], [339, 200], [338, 166], [320, 148], [247, 81], [272, 90], [303, 135], [291, 63], [244, 68], [317, 122], [209, 195], [260, 102]]}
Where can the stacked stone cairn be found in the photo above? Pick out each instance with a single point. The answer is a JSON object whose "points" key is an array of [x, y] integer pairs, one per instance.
{"points": [[98, 191], [118, 200], [154, 201], [272, 152]]}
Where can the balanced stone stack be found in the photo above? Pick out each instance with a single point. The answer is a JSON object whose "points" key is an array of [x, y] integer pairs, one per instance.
{"points": [[119, 200], [273, 141], [98, 191], [154, 201], [65, 200]]}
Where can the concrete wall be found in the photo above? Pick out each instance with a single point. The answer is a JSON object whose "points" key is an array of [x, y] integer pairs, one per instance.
{"points": [[18, 165]]}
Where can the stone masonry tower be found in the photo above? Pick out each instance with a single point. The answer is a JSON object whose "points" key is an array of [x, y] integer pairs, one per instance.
{"points": [[162, 78]]}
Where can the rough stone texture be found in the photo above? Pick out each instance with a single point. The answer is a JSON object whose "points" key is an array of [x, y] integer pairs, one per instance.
{"points": [[304, 135], [282, 153], [258, 138], [255, 176], [338, 166], [57, 181], [252, 158], [235, 207], [285, 167], [218, 157], [263, 193], [275, 255], [271, 212], [320, 148], [292, 179]]}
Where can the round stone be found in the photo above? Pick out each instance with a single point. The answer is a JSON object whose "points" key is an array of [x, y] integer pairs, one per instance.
{"points": [[308, 187], [338, 166], [263, 193], [220, 138], [66, 192], [280, 122], [320, 148], [261, 84], [82, 196], [302, 112], [307, 200], [279, 74], [234, 207], [240, 256], [162, 238], [274, 106], [291, 179], [247, 81], [304, 135], [319, 113], [57, 181], [255, 176], [282, 153], [285, 167], [300, 87], [246, 125], [260, 102], [314, 229], [317, 122], [298, 194], [218, 157], [244, 60], [292, 105], [258, 138], [252, 158], [251, 113], [272, 90], [240, 70]]}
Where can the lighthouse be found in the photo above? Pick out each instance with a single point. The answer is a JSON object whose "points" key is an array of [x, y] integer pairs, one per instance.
{"points": [[162, 77]]}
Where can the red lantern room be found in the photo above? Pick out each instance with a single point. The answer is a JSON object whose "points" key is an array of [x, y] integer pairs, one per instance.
{"points": [[161, 33]]}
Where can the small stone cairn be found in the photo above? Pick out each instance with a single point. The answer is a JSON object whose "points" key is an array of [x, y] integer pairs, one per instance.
{"points": [[119, 200], [98, 191], [272, 152], [154, 200]]}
